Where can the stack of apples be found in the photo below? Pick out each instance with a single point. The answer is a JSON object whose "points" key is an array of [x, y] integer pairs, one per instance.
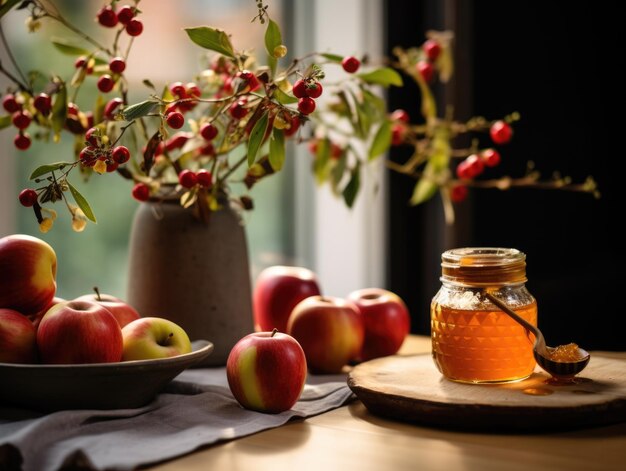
{"points": [[36, 326], [298, 329]]}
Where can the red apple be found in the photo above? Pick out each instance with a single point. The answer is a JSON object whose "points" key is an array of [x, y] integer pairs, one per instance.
{"points": [[79, 332], [17, 338], [330, 331], [36, 318], [385, 318], [266, 371], [28, 267], [154, 337], [123, 313], [277, 291]]}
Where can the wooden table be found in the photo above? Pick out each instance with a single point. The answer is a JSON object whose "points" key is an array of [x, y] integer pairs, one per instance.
{"points": [[351, 438]]}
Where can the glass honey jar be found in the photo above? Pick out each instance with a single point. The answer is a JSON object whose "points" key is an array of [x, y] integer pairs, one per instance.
{"points": [[472, 340]]}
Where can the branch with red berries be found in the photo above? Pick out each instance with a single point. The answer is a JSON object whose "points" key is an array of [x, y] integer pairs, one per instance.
{"points": [[435, 163], [208, 141], [196, 141]]}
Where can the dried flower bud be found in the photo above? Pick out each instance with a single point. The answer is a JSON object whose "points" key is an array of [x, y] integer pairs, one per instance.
{"points": [[33, 24]]}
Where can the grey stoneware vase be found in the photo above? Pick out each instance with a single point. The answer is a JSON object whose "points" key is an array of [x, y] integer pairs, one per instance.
{"points": [[194, 273]]}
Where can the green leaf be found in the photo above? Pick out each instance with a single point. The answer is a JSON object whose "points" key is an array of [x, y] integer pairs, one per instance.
{"points": [[273, 37], [352, 188], [423, 191], [6, 6], [139, 109], [382, 140], [277, 149], [5, 121], [43, 169], [59, 109], [283, 98], [211, 38], [384, 76], [322, 157], [336, 174], [256, 138], [66, 47], [332, 57], [82, 203]]}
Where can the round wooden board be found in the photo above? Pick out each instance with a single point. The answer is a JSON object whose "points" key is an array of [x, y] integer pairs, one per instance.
{"points": [[411, 389]]}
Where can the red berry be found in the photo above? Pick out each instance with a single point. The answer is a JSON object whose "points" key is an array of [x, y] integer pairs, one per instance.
{"points": [[299, 89], [175, 120], [400, 115], [313, 146], [111, 106], [458, 193], [112, 166], [204, 178], [10, 103], [141, 192], [295, 125], [475, 166], [398, 131], [306, 105], [80, 62], [92, 136], [462, 171], [125, 14], [28, 197], [250, 79], [134, 27], [314, 90], [178, 90], [87, 156], [43, 103], [432, 49], [106, 83], [426, 70], [21, 119], [22, 141], [193, 90], [335, 151], [208, 131], [117, 65], [238, 109], [207, 149], [500, 132], [107, 17], [187, 178], [491, 157], [350, 64], [72, 109], [120, 154]]}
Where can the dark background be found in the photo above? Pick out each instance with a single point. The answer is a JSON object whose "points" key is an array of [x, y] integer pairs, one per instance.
{"points": [[557, 64]]}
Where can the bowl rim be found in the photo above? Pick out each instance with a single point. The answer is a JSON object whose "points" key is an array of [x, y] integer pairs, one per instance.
{"points": [[200, 349]]}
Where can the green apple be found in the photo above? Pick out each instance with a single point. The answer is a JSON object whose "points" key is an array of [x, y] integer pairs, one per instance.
{"points": [[153, 337]]}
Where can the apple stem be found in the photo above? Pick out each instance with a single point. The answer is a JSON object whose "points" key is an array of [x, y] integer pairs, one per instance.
{"points": [[274, 332], [169, 337], [95, 288]]}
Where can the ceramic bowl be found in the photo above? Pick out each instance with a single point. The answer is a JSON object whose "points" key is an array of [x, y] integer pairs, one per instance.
{"points": [[122, 385]]}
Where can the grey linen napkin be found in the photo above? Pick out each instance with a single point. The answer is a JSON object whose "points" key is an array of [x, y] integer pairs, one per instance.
{"points": [[196, 409]]}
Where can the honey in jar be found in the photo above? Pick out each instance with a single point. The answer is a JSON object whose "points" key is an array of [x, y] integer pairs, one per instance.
{"points": [[472, 340]]}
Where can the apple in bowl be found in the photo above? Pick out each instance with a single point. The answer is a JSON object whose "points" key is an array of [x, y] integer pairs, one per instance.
{"points": [[386, 321], [75, 332], [266, 371], [153, 337], [277, 291], [28, 268], [123, 312], [330, 331], [17, 338]]}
